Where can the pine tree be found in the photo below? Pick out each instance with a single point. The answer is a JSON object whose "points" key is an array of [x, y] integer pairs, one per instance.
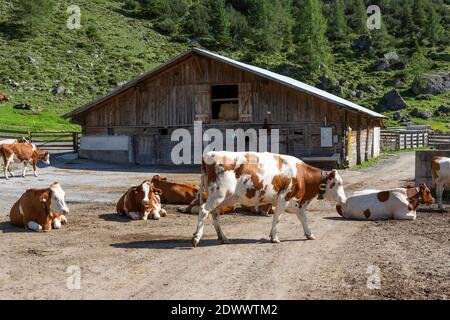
{"points": [[31, 15], [419, 63], [359, 17], [313, 46], [434, 29], [338, 21], [197, 22], [220, 22], [419, 13]]}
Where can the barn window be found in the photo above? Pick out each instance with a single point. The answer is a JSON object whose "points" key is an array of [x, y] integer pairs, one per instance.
{"points": [[225, 102], [164, 132], [110, 131]]}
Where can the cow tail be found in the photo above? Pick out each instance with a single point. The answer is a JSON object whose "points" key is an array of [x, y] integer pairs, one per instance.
{"points": [[203, 183]]}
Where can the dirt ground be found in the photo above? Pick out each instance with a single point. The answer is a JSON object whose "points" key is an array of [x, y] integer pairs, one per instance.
{"points": [[120, 259]]}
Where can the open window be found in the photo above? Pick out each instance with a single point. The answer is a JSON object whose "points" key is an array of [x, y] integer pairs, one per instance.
{"points": [[225, 102]]}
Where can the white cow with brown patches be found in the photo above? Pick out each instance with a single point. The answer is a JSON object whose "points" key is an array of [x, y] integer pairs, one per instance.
{"points": [[440, 168], [141, 202], [255, 179], [400, 203], [40, 209]]}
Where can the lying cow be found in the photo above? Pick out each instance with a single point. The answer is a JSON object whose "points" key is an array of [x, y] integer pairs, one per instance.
{"points": [[3, 98], [440, 167], [400, 203], [183, 194], [40, 210], [254, 179], [24, 152], [264, 210], [141, 202]]}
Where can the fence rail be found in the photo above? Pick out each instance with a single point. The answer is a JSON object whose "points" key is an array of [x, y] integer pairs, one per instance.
{"points": [[47, 140], [398, 139], [437, 139]]}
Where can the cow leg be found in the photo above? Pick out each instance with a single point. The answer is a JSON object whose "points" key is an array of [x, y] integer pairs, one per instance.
{"points": [[439, 192], [56, 223], [281, 206], [34, 226], [134, 216], [408, 215], [34, 169], [24, 169], [8, 169], [216, 219], [63, 219], [302, 216]]}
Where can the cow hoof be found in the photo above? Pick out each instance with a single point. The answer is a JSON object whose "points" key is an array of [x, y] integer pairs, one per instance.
{"points": [[224, 241], [195, 242], [163, 213], [310, 237], [275, 240]]}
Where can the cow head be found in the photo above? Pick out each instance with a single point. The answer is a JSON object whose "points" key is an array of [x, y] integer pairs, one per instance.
{"points": [[144, 195], [53, 198], [157, 178], [44, 156], [425, 194], [332, 187]]}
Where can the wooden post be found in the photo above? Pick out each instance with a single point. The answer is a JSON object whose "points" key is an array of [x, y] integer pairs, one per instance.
{"points": [[358, 141], [30, 136], [345, 142], [366, 153], [418, 144], [75, 141], [405, 142]]}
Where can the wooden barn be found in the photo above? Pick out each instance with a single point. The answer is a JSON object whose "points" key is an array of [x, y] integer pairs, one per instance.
{"points": [[134, 123]]}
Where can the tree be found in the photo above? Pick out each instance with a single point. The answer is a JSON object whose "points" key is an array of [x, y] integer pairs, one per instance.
{"points": [[313, 47], [31, 15], [359, 17], [419, 13], [419, 63], [220, 22], [434, 29], [197, 22], [338, 21]]}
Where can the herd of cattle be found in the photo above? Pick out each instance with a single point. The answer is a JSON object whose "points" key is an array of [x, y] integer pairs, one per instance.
{"points": [[262, 183]]}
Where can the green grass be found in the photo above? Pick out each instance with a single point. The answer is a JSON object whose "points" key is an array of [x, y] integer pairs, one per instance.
{"points": [[125, 46]]}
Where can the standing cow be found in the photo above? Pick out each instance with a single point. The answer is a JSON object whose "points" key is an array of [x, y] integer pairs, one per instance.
{"points": [[141, 202], [24, 152], [440, 168], [254, 179], [40, 209], [400, 203]]}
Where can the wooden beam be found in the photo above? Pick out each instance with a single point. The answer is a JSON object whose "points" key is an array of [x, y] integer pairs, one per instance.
{"points": [[366, 153], [358, 141]]}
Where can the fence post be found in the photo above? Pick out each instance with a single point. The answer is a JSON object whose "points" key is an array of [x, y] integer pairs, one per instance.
{"points": [[30, 136], [75, 141], [397, 142]]}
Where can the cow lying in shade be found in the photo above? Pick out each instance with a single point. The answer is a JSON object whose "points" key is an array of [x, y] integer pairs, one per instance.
{"points": [[22, 151], [400, 204], [40, 210], [255, 179], [141, 202], [440, 167], [3, 98]]}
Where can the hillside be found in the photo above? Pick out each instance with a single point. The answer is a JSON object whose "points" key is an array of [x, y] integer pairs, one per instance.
{"points": [[56, 69]]}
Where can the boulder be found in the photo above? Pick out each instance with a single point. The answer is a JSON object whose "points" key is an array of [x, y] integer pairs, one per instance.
{"points": [[433, 83], [392, 101], [351, 95], [426, 114], [359, 94], [325, 83], [397, 116], [444, 109], [391, 56], [363, 43], [423, 98], [398, 82], [366, 87], [33, 61], [58, 90]]}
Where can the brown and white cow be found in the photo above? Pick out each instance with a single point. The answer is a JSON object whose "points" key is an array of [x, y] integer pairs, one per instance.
{"points": [[3, 98], [24, 152], [254, 179], [40, 209], [400, 203], [440, 168], [141, 202]]}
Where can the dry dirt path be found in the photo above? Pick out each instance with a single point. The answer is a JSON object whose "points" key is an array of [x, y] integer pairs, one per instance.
{"points": [[119, 259]]}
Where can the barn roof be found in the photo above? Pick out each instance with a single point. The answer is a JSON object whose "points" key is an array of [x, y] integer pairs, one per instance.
{"points": [[298, 85]]}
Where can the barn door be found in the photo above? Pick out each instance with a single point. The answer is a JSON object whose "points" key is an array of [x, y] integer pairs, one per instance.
{"points": [[202, 103], [376, 141], [245, 102], [145, 149]]}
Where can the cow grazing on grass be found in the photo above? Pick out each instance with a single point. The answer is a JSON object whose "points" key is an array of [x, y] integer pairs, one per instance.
{"points": [[24, 152], [141, 202], [440, 168], [400, 203], [254, 179], [3, 98], [40, 209]]}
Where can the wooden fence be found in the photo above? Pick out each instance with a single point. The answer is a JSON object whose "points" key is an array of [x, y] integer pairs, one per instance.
{"points": [[406, 139], [437, 139], [47, 140]]}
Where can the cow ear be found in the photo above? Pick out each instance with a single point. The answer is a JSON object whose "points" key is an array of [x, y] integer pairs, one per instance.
{"points": [[44, 197], [157, 191], [332, 175]]}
